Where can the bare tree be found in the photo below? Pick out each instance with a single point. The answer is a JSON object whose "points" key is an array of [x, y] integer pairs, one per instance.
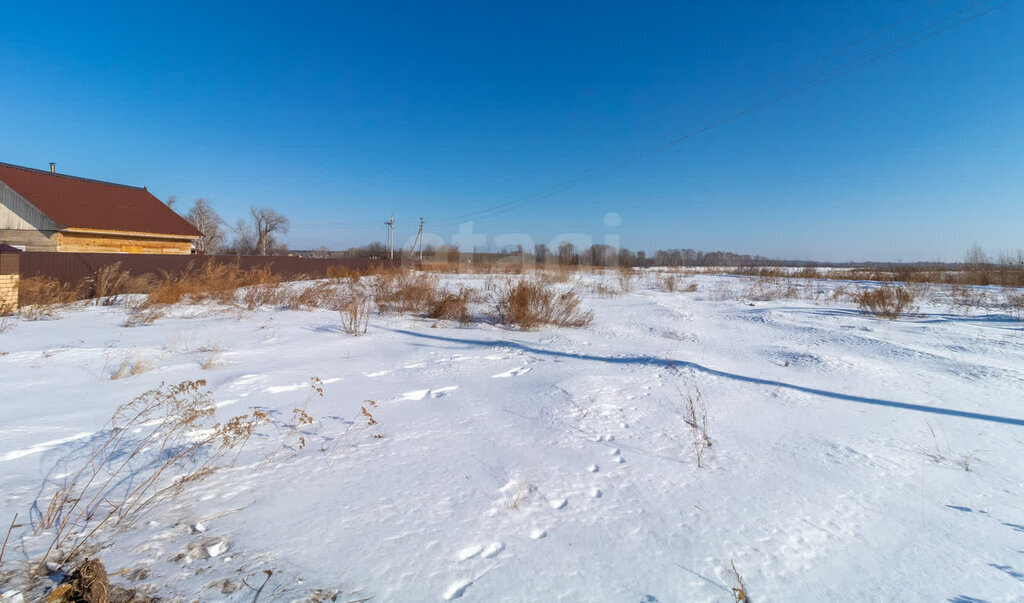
{"points": [[566, 253], [266, 222], [257, 236], [209, 224], [171, 201]]}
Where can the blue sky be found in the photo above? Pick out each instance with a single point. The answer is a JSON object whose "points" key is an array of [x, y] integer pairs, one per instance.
{"points": [[337, 114]]}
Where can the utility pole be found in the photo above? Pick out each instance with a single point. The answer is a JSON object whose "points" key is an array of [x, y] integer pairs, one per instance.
{"points": [[391, 237], [419, 240]]}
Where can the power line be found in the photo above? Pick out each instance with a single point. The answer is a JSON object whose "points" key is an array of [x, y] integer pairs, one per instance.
{"points": [[911, 39]]}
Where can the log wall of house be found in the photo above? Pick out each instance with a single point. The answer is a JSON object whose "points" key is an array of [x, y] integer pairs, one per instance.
{"points": [[81, 242], [31, 240]]}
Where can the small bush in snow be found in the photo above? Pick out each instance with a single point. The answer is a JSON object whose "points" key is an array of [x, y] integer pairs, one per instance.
{"points": [[885, 301], [696, 418], [453, 307], [528, 304], [1013, 303], [43, 297], [355, 315], [406, 292]]}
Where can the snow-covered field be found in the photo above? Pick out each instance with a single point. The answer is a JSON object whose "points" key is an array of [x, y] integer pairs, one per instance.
{"points": [[853, 459]]}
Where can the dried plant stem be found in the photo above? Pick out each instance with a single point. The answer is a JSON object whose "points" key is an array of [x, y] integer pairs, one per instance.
{"points": [[4, 547]]}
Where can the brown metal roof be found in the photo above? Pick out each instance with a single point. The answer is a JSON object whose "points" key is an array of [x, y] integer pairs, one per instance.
{"points": [[74, 202]]}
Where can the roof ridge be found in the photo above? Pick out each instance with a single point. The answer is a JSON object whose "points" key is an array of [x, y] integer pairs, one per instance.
{"points": [[48, 173]]}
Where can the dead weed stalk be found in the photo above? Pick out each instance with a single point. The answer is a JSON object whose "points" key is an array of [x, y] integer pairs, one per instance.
{"points": [[151, 449]]}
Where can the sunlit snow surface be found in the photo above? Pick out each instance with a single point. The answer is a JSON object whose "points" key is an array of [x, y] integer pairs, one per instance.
{"points": [[555, 465]]}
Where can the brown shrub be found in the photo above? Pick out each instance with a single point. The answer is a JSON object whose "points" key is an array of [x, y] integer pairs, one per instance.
{"points": [[666, 282], [887, 301], [130, 366], [527, 304], [1013, 303], [453, 307], [210, 281], [966, 299], [43, 296], [605, 290], [321, 294], [264, 294], [142, 316], [110, 282], [807, 272], [625, 279], [406, 292], [355, 315]]}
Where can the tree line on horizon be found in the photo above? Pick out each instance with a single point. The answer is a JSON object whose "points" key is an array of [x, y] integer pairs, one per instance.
{"points": [[259, 232]]}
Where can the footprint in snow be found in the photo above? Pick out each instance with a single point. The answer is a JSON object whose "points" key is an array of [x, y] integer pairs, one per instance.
{"points": [[469, 552], [457, 589], [487, 552], [559, 504], [522, 370], [443, 391], [538, 534], [43, 446], [593, 468], [277, 389], [418, 394], [596, 493], [493, 549]]}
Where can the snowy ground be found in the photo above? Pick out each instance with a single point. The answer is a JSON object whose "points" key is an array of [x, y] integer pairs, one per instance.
{"points": [[555, 465]]}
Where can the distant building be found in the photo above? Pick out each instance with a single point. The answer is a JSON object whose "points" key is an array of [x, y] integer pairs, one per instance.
{"points": [[44, 211]]}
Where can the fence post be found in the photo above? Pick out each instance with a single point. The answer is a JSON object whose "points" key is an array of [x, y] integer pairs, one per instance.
{"points": [[10, 273]]}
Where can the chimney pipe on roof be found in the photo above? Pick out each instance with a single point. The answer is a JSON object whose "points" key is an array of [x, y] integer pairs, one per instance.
{"points": [[53, 168]]}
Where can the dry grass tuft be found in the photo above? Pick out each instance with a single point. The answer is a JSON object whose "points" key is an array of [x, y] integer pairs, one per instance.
{"points": [[454, 306], [131, 365], [626, 279], [110, 282], [148, 453], [216, 283], [321, 294], [88, 583], [666, 282], [212, 358], [1013, 303], [406, 292], [887, 301], [603, 289], [740, 593], [696, 418], [530, 303], [43, 297], [355, 315], [966, 299], [142, 316]]}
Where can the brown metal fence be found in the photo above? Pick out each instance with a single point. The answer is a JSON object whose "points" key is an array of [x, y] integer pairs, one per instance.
{"points": [[76, 268]]}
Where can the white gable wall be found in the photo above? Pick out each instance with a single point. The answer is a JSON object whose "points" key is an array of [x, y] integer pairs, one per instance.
{"points": [[16, 213]]}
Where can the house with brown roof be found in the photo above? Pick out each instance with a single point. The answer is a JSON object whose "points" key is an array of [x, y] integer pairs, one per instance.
{"points": [[45, 211]]}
